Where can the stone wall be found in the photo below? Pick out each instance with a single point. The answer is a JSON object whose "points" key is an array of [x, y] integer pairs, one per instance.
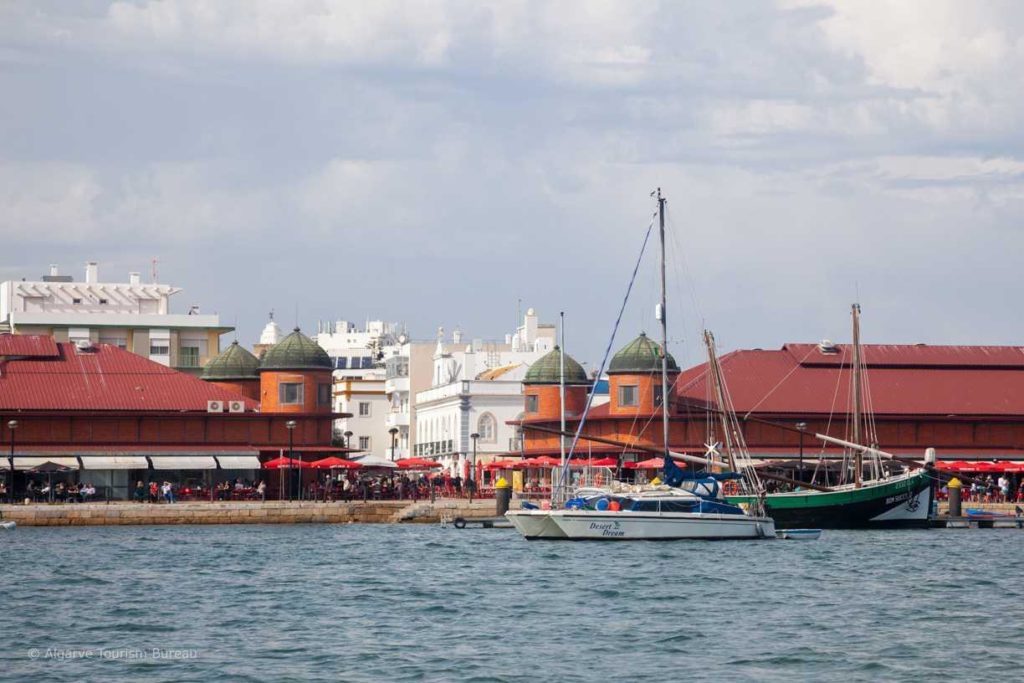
{"points": [[270, 512]]}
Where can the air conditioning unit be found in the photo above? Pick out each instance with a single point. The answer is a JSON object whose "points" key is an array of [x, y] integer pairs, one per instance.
{"points": [[236, 406], [215, 406]]}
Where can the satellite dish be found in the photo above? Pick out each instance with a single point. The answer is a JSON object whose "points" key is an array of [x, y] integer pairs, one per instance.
{"points": [[401, 339]]}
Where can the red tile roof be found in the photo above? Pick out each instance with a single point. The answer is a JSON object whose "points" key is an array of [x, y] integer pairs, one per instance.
{"points": [[902, 380], [103, 378], [27, 346]]}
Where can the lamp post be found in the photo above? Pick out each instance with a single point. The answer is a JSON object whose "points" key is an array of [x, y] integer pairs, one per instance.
{"points": [[11, 426], [472, 471], [290, 424], [348, 440], [394, 440], [801, 426]]}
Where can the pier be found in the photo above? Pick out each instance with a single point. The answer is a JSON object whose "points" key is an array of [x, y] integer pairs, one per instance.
{"points": [[247, 512]]}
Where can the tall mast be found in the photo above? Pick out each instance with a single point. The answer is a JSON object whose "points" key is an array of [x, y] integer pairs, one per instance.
{"points": [[858, 457], [561, 386], [664, 328]]}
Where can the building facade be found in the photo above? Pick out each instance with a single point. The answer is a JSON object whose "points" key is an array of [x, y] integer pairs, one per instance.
{"points": [[967, 402], [475, 388], [132, 315]]}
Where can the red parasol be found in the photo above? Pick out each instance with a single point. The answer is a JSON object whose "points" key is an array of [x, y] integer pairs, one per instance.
{"points": [[541, 461], [334, 463], [501, 465], [285, 463], [649, 464], [417, 464]]}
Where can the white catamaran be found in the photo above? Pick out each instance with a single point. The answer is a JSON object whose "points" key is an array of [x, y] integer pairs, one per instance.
{"points": [[682, 506]]}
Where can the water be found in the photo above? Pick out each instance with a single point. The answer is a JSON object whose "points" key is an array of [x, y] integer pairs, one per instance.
{"points": [[414, 603]]}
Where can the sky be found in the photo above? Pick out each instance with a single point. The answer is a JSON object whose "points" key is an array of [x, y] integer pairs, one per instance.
{"points": [[437, 163]]}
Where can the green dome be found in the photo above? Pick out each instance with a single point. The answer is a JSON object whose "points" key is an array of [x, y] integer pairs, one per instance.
{"points": [[546, 370], [640, 356], [296, 352], [234, 363]]}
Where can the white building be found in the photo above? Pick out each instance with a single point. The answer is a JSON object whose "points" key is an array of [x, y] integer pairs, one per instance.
{"points": [[475, 388], [131, 315], [355, 351], [359, 382]]}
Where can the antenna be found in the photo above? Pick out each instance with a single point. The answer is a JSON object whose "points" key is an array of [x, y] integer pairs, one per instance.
{"points": [[152, 272], [296, 314]]}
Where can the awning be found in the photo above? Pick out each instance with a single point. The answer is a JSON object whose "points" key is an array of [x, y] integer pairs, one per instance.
{"points": [[114, 462], [238, 462], [27, 463], [184, 462]]}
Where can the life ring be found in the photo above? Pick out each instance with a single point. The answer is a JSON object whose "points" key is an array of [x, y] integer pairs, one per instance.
{"points": [[459, 523]]}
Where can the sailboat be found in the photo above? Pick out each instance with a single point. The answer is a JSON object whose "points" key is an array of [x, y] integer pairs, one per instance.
{"points": [[682, 506], [879, 500]]}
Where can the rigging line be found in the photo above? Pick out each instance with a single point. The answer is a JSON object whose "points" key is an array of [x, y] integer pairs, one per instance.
{"points": [[779, 384], [682, 265], [607, 351], [828, 425]]}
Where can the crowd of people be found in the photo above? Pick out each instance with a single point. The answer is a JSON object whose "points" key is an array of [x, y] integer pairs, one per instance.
{"points": [[60, 492], [986, 489]]}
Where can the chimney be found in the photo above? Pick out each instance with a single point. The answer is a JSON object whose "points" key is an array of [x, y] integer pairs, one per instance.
{"points": [[91, 273], [134, 278], [53, 270]]}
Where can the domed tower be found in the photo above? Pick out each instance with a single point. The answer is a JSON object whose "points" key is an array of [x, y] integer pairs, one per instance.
{"points": [[634, 378], [235, 369], [541, 387], [295, 377]]}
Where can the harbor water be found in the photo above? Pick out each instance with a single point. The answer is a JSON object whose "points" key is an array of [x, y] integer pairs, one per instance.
{"points": [[416, 603]]}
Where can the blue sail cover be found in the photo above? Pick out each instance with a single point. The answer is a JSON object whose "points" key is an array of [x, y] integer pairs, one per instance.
{"points": [[674, 475]]}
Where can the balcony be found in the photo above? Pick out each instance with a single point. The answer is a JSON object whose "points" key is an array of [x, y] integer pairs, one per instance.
{"points": [[399, 384], [397, 419]]}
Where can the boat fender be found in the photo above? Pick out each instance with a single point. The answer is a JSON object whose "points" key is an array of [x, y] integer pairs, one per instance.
{"points": [[614, 506], [601, 504], [459, 523]]}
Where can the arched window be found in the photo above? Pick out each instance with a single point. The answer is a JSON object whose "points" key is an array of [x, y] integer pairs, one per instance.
{"points": [[487, 428]]}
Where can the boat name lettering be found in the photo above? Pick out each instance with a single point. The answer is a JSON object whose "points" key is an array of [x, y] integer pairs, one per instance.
{"points": [[896, 499]]}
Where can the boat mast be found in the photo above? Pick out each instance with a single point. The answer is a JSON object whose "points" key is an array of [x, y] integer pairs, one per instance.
{"points": [[858, 456], [561, 391], [664, 329]]}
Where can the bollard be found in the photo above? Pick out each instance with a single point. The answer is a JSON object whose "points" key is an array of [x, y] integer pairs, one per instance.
{"points": [[954, 487], [502, 496]]}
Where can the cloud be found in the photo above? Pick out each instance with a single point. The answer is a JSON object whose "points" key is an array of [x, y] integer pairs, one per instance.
{"points": [[388, 155]]}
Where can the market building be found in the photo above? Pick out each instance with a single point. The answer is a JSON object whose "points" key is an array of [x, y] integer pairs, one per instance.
{"points": [[967, 402], [115, 418]]}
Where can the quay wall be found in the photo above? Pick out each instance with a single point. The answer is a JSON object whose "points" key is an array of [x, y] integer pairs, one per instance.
{"points": [[269, 512]]}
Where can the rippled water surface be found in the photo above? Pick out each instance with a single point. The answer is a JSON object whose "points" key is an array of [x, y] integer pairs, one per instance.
{"points": [[411, 603]]}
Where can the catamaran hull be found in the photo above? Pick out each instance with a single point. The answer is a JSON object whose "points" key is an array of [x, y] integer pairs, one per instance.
{"points": [[534, 524], [588, 525], [903, 502]]}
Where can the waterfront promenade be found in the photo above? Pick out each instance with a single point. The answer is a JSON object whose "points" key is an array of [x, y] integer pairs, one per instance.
{"points": [[246, 512]]}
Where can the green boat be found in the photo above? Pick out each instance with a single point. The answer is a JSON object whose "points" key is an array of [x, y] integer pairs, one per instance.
{"points": [[900, 501]]}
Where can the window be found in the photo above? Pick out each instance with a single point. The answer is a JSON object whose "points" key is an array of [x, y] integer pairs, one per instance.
{"points": [[657, 396], [103, 302], [367, 361], [628, 395], [159, 348], [364, 443], [531, 403], [397, 366], [486, 427], [323, 394], [76, 301], [290, 393], [189, 357], [364, 409], [341, 362]]}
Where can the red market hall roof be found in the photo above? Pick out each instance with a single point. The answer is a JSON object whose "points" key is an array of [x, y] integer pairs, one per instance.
{"points": [[47, 375]]}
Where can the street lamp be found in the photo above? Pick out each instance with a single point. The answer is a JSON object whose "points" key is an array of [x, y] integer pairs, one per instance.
{"points": [[290, 424], [11, 426], [801, 426], [472, 472], [394, 440], [348, 440]]}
